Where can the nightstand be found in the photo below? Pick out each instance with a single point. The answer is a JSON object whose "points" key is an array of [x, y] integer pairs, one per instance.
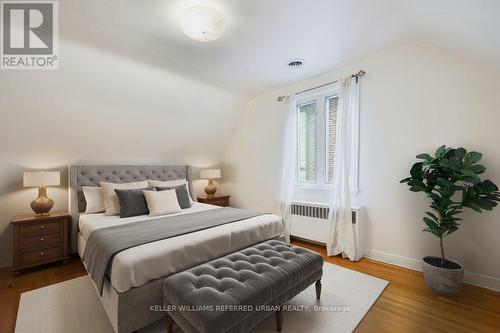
{"points": [[40, 239], [218, 200]]}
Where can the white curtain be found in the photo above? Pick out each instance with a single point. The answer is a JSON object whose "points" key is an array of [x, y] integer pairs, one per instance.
{"points": [[341, 238], [289, 166]]}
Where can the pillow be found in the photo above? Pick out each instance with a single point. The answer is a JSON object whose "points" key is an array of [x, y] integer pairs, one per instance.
{"points": [[94, 198], [132, 202], [111, 202], [162, 203], [171, 183], [182, 194]]}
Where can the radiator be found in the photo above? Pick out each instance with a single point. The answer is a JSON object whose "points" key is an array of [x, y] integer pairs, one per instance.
{"points": [[310, 222]]}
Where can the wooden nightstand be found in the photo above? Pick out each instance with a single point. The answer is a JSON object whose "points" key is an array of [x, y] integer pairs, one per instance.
{"points": [[218, 200], [40, 239]]}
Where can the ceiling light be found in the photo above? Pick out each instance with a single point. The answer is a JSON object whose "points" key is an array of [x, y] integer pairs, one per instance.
{"points": [[202, 23], [295, 64]]}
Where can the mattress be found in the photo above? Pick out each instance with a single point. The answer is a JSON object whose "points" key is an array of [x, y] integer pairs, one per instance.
{"points": [[136, 266]]}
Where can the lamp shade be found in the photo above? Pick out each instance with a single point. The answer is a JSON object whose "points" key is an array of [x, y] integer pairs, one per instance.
{"points": [[210, 173], [41, 178]]}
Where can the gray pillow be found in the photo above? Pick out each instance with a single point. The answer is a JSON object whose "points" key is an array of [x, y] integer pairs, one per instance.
{"points": [[181, 192], [133, 202]]}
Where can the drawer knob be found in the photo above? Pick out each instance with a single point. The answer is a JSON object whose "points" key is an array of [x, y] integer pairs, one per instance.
{"points": [[42, 239], [42, 226], [41, 253]]}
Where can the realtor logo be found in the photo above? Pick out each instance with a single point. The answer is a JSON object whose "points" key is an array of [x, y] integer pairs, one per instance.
{"points": [[29, 33]]}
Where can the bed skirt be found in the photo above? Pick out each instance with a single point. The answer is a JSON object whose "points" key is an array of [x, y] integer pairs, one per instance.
{"points": [[135, 308]]}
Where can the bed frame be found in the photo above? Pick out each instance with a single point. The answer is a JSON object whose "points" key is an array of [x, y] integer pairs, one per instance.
{"points": [[131, 310]]}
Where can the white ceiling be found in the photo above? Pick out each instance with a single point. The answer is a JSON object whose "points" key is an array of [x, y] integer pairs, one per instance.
{"points": [[262, 35]]}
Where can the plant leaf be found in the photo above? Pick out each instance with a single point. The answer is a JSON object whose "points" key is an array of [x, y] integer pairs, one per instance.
{"points": [[426, 157], [477, 168], [472, 157]]}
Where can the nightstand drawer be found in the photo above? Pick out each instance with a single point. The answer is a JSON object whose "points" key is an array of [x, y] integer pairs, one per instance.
{"points": [[40, 228], [41, 255], [220, 202], [41, 241]]}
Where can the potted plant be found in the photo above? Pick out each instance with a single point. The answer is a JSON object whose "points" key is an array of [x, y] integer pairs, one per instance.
{"points": [[451, 180]]}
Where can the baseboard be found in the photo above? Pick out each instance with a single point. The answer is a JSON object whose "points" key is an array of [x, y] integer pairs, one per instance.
{"points": [[481, 280], [5, 262]]}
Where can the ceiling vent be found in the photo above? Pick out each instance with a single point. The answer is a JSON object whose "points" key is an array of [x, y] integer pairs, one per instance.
{"points": [[295, 64]]}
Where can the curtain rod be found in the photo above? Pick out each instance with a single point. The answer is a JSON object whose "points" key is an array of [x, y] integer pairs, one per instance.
{"points": [[358, 75]]}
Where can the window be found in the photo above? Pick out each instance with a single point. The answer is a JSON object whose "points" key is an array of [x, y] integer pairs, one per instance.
{"points": [[316, 138], [332, 104], [307, 143], [316, 126]]}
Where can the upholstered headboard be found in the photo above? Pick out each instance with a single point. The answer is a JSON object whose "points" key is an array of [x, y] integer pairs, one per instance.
{"points": [[91, 175]]}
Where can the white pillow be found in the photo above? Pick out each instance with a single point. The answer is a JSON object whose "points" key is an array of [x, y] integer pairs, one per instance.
{"points": [[111, 202], [162, 202], [171, 183], [94, 198]]}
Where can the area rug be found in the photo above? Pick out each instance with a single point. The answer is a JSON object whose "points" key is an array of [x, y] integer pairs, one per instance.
{"points": [[73, 306]]}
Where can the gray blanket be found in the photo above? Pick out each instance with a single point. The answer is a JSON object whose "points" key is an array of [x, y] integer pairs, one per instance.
{"points": [[103, 244]]}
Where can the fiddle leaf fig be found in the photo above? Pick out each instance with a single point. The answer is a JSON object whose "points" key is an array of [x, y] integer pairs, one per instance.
{"points": [[441, 177]]}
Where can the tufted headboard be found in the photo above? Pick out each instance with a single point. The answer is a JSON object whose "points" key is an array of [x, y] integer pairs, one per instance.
{"points": [[91, 175]]}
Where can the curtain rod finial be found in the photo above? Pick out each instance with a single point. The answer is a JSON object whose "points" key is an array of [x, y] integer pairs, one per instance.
{"points": [[282, 98]]}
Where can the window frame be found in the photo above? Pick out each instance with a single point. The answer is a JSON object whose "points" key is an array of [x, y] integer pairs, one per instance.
{"points": [[320, 190], [297, 162], [327, 132]]}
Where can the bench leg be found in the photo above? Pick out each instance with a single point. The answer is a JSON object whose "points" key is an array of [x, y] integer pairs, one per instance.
{"points": [[279, 319], [318, 289], [170, 324]]}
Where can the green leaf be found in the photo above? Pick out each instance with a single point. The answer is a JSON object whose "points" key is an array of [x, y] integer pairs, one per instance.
{"points": [[434, 217], [430, 223], [406, 180], [489, 186], [417, 188], [460, 154], [450, 230], [472, 157], [473, 206], [426, 157], [477, 168], [416, 170]]}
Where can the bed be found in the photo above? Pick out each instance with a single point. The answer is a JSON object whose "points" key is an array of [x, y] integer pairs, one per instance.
{"points": [[133, 286]]}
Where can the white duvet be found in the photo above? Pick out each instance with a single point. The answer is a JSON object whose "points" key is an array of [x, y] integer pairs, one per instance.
{"points": [[136, 266]]}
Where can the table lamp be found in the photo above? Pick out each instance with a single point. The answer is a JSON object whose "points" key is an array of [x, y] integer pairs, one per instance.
{"points": [[41, 179], [210, 174]]}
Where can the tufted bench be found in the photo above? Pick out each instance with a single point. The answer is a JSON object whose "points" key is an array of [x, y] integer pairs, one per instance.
{"points": [[236, 292]]}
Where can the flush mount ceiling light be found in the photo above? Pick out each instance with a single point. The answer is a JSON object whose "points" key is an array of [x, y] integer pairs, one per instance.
{"points": [[296, 64], [202, 23]]}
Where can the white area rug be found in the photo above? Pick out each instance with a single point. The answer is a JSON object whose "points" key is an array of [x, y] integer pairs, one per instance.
{"points": [[73, 306]]}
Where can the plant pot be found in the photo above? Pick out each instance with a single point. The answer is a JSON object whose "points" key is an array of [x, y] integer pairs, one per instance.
{"points": [[443, 280]]}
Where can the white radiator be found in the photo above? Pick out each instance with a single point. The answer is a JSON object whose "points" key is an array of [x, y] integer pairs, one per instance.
{"points": [[310, 222]]}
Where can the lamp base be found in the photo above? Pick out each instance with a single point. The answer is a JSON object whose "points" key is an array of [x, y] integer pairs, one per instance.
{"points": [[42, 205], [211, 189]]}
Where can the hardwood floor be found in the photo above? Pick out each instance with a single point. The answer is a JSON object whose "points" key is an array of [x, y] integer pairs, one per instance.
{"points": [[12, 285], [405, 305]]}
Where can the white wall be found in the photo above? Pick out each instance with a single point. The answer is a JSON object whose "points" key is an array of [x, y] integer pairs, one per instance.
{"points": [[414, 98], [102, 108]]}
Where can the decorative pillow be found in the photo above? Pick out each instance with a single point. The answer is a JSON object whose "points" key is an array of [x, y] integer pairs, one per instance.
{"points": [[111, 202], [94, 199], [171, 183], [132, 202], [182, 194], [162, 203]]}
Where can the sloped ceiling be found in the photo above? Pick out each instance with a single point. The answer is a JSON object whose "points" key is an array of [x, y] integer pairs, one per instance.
{"points": [[262, 35]]}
